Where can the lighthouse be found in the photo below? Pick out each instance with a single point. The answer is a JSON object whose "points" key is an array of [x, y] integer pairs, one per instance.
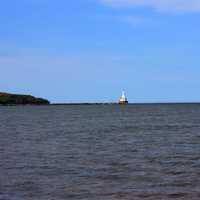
{"points": [[123, 99]]}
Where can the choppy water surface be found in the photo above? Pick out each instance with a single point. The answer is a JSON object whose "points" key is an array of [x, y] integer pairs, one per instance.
{"points": [[105, 152]]}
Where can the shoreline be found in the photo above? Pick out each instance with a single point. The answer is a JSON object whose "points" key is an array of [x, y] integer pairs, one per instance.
{"points": [[90, 104]]}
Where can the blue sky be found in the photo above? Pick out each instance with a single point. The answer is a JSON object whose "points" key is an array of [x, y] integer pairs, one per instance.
{"points": [[90, 50]]}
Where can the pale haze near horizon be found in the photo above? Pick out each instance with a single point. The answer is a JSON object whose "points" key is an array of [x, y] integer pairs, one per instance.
{"points": [[89, 51]]}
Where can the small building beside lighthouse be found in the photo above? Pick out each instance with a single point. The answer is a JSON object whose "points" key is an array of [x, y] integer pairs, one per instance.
{"points": [[123, 99]]}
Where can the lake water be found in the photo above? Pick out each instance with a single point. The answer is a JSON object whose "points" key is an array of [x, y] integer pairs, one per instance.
{"points": [[100, 152]]}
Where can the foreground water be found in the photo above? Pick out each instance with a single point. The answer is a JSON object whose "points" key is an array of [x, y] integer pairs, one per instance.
{"points": [[102, 152]]}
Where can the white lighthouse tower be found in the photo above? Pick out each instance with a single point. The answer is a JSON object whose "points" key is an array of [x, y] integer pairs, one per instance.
{"points": [[123, 99]]}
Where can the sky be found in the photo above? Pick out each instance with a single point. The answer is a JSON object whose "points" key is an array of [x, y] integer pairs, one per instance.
{"points": [[91, 50]]}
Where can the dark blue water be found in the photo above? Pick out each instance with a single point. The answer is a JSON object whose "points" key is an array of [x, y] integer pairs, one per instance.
{"points": [[100, 152]]}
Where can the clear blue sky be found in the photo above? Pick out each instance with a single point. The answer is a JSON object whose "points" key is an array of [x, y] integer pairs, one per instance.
{"points": [[89, 50]]}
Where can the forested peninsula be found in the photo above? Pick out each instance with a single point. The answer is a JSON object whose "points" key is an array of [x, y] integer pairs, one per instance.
{"points": [[21, 99]]}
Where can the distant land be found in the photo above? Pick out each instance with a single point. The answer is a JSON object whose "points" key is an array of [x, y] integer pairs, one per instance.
{"points": [[21, 99], [9, 99]]}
